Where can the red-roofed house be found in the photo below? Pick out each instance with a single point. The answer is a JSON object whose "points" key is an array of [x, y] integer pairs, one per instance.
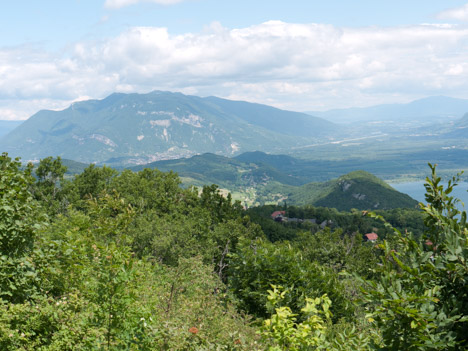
{"points": [[278, 215], [371, 237]]}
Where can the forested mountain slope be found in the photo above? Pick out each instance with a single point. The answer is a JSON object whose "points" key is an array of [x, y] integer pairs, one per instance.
{"points": [[269, 181], [140, 128], [228, 172], [358, 189]]}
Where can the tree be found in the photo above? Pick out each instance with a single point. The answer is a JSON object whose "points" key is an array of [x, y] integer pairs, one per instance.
{"points": [[256, 265], [48, 187], [19, 220], [93, 181], [149, 189], [421, 298], [50, 173], [221, 207], [341, 252]]}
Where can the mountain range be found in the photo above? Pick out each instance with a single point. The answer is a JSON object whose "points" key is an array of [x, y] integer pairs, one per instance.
{"points": [[428, 110], [139, 128], [124, 130]]}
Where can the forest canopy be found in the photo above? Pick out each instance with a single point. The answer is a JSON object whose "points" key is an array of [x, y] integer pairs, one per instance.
{"points": [[127, 260]]}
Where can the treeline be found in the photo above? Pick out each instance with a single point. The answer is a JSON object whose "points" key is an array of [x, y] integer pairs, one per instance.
{"points": [[314, 219], [132, 261]]}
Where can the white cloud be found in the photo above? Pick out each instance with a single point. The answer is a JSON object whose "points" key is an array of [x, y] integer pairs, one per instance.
{"points": [[117, 4], [458, 13], [295, 66]]}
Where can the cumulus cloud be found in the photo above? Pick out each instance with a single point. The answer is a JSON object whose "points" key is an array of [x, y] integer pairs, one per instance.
{"points": [[117, 4], [458, 13], [294, 66]]}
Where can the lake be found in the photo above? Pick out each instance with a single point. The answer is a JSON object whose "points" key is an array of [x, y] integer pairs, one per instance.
{"points": [[416, 190]]}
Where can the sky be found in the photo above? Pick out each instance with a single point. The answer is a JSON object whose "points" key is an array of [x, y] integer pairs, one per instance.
{"points": [[302, 55]]}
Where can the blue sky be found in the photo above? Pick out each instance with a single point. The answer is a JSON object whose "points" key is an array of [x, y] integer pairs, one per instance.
{"points": [[299, 55]]}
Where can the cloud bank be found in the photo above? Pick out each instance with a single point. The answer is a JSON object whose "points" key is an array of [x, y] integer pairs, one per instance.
{"points": [[458, 14], [294, 66]]}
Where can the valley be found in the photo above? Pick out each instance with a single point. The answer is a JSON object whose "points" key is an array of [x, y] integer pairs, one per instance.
{"points": [[260, 154], [202, 175], [258, 178], [139, 198], [124, 130]]}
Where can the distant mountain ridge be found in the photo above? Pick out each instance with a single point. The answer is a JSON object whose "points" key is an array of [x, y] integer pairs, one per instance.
{"points": [[141, 128], [432, 108], [7, 126]]}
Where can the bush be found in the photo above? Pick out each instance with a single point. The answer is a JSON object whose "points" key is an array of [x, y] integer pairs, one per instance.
{"points": [[19, 220], [421, 299], [256, 265]]}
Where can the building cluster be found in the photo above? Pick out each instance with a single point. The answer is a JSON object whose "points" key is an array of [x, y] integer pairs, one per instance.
{"points": [[280, 216]]}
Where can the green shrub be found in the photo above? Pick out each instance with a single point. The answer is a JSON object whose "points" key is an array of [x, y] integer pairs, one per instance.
{"points": [[256, 265], [421, 300], [19, 220]]}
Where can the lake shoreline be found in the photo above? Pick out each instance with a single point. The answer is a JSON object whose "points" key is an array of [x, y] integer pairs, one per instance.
{"points": [[416, 190]]}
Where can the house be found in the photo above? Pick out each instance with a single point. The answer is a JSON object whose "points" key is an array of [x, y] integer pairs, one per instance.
{"points": [[371, 237], [278, 216]]}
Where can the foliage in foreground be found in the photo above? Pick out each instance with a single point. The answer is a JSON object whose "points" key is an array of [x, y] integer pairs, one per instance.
{"points": [[420, 301], [19, 221], [257, 265], [131, 261], [86, 285], [283, 331]]}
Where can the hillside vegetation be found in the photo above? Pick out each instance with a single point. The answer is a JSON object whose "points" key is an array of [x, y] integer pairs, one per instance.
{"points": [[258, 178], [358, 189], [223, 171], [132, 261]]}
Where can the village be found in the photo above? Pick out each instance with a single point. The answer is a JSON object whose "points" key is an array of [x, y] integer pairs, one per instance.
{"points": [[280, 217]]}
